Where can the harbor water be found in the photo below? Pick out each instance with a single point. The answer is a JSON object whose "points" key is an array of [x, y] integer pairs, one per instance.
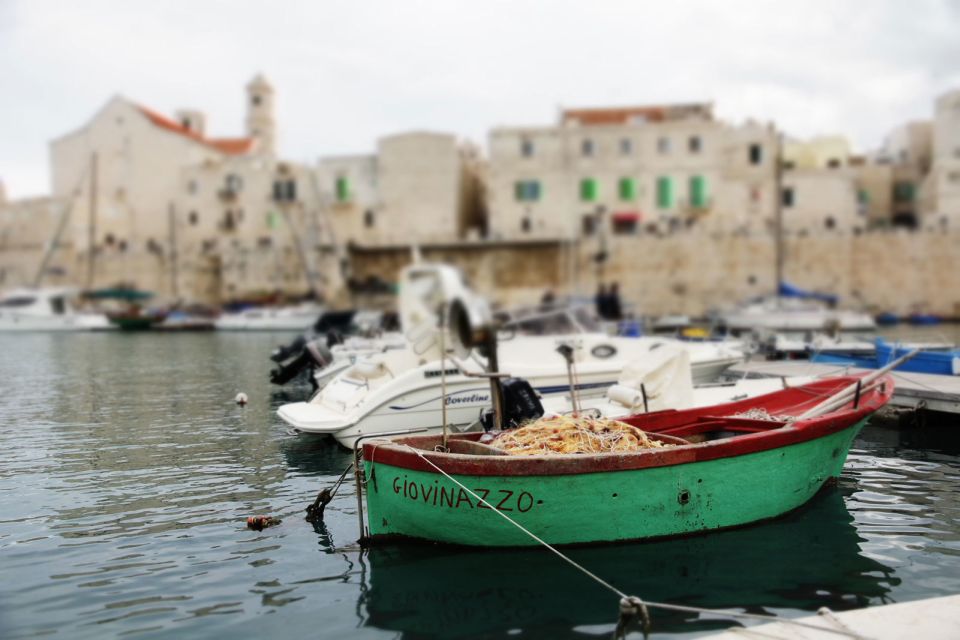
{"points": [[127, 473]]}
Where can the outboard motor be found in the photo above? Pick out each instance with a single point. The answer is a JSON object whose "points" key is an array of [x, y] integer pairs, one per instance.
{"points": [[315, 355], [521, 404], [282, 353]]}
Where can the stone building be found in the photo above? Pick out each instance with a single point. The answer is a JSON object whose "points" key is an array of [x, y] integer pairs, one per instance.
{"points": [[156, 203], [418, 188], [648, 169]]}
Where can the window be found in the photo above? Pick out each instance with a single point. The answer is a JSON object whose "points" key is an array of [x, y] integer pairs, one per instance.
{"points": [[626, 146], [234, 182], [833, 163], [628, 189], [694, 144], [787, 197], [525, 224], [830, 223], [663, 145], [285, 190], [526, 148], [863, 197], [903, 192], [255, 99], [192, 218], [368, 218], [664, 192], [291, 190], [587, 147], [527, 190], [588, 190], [698, 192], [755, 153], [343, 189]]}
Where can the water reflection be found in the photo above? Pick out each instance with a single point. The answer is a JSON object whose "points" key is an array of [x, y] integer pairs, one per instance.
{"points": [[809, 559]]}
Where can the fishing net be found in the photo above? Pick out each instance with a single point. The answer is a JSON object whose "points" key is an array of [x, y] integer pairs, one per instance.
{"points": [[758, 413], [569, 434]]}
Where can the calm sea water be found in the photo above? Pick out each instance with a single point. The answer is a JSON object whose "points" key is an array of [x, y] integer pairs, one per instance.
{"points": [[127, 472]]}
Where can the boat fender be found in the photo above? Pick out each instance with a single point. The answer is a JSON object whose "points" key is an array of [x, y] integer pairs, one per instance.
{"points": [[241, 399], [626, 396]]}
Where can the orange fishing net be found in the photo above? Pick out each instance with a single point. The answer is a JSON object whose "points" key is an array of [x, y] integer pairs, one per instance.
{"points": [[569, 434]]}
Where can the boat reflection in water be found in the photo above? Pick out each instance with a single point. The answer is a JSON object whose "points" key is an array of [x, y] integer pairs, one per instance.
{"points": [[803, 561]]}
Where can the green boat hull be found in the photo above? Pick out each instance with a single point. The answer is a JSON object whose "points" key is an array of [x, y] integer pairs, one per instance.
{"points": [[603, 506]]}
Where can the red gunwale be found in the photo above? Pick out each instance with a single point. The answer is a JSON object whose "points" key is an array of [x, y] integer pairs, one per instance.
{"points": [[796, 399]]}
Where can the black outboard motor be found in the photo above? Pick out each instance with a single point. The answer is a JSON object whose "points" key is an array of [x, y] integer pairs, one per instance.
{"points": [[315, 355], [520, 405], [282, 353]]}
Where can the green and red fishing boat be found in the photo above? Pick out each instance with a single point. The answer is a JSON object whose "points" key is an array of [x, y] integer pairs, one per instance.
{"points": [[726, 466]]}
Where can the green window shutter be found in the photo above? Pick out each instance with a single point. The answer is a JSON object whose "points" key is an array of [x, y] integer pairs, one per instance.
{"points": [[863, 196], [343, 190], [664, 192], [628, 189], [698, 191], [519, 190], [588, 189], [534, 187]]}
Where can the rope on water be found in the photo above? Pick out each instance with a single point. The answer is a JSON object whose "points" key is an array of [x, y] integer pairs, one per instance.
{"points": [[633, 606], [315, 510]]}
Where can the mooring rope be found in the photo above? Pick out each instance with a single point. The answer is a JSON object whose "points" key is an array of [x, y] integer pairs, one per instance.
{"points": [[634, 601]]}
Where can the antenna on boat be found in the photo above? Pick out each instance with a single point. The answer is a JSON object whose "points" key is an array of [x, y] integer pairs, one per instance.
{"points": [[443, 373]]}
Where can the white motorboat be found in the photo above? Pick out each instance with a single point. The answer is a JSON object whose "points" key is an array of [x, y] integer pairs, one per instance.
{"points": [[661, 381], [794, 315], [402, 391], [47, 309], [286, 318]]}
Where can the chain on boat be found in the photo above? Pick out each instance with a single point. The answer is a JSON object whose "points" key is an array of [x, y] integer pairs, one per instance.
{"points": [[632, 607]]}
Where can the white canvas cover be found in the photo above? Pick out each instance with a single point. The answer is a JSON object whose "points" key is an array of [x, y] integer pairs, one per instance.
{"points": [[665, 374]]}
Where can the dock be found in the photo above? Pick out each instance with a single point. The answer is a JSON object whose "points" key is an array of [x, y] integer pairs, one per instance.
{"points": [[913, 390], [931, 619]]}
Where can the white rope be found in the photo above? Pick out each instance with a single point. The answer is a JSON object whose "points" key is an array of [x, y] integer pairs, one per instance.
{"points": [[610, 587]]}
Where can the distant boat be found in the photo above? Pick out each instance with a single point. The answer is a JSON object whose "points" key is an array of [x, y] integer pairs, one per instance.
{"points": [[887, 319], [944, 362], [47, 309], [794, 310], [286, 318], [924, 318]]}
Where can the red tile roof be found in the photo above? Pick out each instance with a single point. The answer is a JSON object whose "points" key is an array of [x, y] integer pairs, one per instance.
{"points": [[623, 115], [229, 146]]}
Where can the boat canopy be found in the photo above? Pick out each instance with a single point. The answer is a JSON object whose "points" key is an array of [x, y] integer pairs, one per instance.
{"points": [[792, 291]]}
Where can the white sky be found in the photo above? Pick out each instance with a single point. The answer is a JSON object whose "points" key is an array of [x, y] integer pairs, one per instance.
{"points": [[348, 72]]}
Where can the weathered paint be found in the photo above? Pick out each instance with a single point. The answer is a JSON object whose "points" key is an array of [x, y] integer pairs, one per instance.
{"points": [[605, 506]]}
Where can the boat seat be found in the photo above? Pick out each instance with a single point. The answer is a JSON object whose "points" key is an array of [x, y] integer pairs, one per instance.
{"points": [[717, 428]]}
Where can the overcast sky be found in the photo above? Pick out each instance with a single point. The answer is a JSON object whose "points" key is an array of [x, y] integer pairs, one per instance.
{"points": [[348, 72]]}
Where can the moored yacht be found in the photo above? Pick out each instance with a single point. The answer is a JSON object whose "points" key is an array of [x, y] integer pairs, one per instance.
{"points": [[409, 390], [46, 309]]}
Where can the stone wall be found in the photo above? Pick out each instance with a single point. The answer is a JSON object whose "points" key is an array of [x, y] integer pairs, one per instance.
{"points": [[693, 272]]}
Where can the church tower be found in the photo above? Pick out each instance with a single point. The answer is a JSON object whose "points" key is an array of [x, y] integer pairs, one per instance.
{"points": [[260, 123]]}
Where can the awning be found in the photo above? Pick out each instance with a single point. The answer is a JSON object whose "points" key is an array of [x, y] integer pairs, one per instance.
{"points": [[627, 216]]}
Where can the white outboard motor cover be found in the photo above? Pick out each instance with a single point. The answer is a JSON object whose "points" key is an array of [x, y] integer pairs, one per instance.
{"points": [[665, 374]]}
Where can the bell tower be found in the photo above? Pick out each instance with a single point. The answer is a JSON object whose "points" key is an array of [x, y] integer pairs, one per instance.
{"points": [[260, 122]]}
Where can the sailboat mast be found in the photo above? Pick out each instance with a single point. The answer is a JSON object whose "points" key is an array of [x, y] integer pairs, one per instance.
{"points": [[92, 224], [778, 212], [174, 287]]}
